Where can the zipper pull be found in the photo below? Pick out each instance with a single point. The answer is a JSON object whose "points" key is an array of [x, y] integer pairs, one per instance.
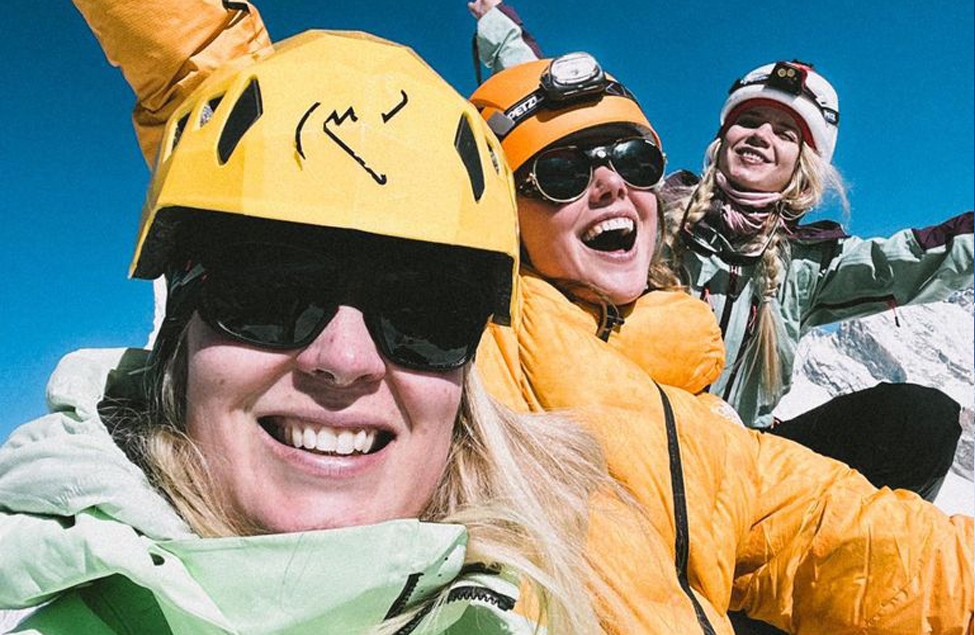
{"points": [[733, 290], [892, 304], [610, 319]]}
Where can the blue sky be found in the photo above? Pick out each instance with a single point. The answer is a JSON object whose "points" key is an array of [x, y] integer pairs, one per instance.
{"points": [[72, 179]]}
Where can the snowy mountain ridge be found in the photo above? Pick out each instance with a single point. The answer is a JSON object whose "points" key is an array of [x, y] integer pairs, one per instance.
{"points": [[932, 345]]}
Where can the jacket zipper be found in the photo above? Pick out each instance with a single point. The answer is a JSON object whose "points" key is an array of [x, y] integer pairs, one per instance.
{"points": [[404, 596], [681, 540], [462, 593], [609, 319], [481, 594], [746, 339]]}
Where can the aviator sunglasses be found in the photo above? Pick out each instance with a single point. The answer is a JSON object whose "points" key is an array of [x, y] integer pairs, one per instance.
{"points": [[420, 319], [563, 174]]}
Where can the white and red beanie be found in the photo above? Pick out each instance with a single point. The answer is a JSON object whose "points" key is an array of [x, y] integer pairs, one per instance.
{"points": [[798, 89]]}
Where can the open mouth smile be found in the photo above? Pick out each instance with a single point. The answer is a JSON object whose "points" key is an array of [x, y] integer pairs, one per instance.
{"points": [[325, 440], [612, 234], [750, 155]]}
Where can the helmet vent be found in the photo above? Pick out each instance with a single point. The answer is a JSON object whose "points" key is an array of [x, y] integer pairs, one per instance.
{"points": [[178, 133], [494, 158], [208, 109], [466, 146], [245, 113]]}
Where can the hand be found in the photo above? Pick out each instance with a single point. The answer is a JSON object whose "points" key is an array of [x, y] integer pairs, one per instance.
{"points": [[479, 7]]}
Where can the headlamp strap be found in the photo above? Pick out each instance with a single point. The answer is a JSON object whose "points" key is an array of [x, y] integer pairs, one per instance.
{"points": [[790, 78], [502, 124]]}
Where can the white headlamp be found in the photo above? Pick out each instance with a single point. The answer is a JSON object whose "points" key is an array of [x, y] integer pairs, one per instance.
{"points": [[572, 76]]}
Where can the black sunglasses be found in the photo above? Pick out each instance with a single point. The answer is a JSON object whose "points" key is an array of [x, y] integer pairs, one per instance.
{"points": [[421, 319], [562, 175]]}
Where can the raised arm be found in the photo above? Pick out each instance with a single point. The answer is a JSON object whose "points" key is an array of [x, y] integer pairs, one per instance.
{"points": [[166, 48], [913, 266], [502, 40]]}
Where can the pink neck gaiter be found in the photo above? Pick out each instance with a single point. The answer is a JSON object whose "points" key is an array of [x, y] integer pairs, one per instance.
{"points": [[739, 211]]}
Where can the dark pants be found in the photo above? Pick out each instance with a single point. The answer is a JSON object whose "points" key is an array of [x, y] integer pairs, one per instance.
{"points": [[902, 436]]}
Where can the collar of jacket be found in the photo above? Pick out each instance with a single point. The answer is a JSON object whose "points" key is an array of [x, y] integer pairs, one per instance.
{"points": [[673, 337], [680, 183], [818, 232], [330, 581]]}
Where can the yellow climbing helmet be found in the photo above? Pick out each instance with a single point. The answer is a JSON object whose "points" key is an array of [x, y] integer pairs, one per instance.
{"points": [[339, 130], [532, 105]]}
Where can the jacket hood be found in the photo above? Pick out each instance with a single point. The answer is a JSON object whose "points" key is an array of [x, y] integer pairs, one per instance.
{"points": [[74, 511], [67, 462]]}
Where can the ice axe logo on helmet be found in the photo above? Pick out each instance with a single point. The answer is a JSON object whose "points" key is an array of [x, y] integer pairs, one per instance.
{"points": [[336, 120]]}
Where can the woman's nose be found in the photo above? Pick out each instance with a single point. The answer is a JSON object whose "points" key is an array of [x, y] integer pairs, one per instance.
{"points": [[606, 186], [344, 353], [762, 133]]}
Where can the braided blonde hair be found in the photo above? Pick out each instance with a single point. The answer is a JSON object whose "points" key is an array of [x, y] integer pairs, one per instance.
{"points": [[812, 179]]}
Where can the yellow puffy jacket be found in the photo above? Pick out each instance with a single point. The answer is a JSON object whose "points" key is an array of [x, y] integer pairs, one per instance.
{"points": [[757, 523], [738, 520], [166, 49]]}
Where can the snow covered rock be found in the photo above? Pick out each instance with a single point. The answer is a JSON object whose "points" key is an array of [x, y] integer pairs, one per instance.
{"points": [[931, 345]]}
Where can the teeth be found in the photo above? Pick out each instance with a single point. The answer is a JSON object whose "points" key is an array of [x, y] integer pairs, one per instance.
{"points": [[611, 224], [361, 438], [751, 155], [346, 442], [332, 440], [327, 440]]}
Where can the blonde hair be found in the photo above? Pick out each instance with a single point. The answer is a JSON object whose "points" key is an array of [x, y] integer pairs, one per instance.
{"points": [[812, 179], [520, 484], [662, 276]]}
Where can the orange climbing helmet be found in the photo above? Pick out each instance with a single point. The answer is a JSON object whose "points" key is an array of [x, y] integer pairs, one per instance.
{"points": [[532, 105]]}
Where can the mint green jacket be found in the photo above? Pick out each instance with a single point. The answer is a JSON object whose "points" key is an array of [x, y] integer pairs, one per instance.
{"points": [[82, 530], [830, 277], [500, 41]]}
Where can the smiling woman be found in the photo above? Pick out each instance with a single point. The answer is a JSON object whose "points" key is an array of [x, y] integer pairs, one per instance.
{"points": [[760, 149], [309, 418], [740, 244], [587, 179], [740, 518], [308, 408]]}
